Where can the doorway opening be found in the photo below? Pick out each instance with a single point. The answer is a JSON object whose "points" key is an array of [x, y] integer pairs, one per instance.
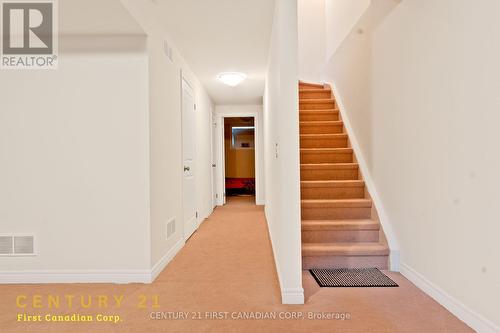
{"points": [[239, 156]]}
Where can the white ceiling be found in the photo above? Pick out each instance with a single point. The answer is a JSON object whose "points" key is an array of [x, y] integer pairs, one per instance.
{"points": [[216, 36], [213, 36]]}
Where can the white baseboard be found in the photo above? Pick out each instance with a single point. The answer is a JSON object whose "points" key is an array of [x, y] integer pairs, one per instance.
{"points": [[204, 215], [394, 260], [292, 296], [91, 276], [163, 262], [75, 276], [460, 310], [370, 185]]}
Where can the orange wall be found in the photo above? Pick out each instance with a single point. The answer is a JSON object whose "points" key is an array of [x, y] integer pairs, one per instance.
{"points": [[240, 163]]}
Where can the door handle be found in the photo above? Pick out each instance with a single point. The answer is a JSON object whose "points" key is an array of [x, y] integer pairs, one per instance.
{"points": [[186, 168]]}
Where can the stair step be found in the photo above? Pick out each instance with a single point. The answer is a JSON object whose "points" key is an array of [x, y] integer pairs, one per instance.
{"points": [[339, 225], [380, 262], [339, 236], [319, 115], [332, 189], [338, 203], [329, 171], [317, 104], [326, 155], [336, 209], [338, 140], [314, 231], [345, 255], [309, 93], [306, 85], [304, 111], [321, 127], [345, 249], [315, 88]]}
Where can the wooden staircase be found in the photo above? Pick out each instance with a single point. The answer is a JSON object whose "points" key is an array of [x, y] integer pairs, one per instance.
{"points": [[340, 227]]}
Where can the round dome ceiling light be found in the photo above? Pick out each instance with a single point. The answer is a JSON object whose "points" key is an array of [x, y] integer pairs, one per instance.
{"points": [[231, 78]]}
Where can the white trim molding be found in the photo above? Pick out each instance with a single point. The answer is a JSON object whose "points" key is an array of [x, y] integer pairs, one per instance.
{"points": [[75, 276], [231, 111], [292, 296], [163, 262], [370, 185], [460, 310], [394, 260], [91, 276]]}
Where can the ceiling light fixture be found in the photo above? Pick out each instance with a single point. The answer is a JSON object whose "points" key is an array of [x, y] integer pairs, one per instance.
{"points": [[231, 78]]}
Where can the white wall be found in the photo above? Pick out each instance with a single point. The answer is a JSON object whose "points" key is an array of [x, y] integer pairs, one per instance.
{"points": [[311, 27], [92, 162], [429, 135], [166, 144], [74, 159], [281, 156], [166, 148], [341, 16], [237, 111], [166, 140], [348, 70]]}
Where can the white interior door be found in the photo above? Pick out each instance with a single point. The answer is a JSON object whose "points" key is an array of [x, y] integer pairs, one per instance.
{"points": [[213, 121], [188, 156]]}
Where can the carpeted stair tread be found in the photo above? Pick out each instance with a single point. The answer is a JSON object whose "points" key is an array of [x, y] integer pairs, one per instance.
{"points": [[324, 136], [338, 203], [345, 249], [307, 85], [314, 89], [330, 166], [334, 110], [362, 224], [321, 123], [316, 100], [332, 183], [327, 150]]}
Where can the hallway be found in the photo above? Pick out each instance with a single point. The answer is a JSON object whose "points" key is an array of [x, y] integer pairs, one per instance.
{"points": [[227, 265]]}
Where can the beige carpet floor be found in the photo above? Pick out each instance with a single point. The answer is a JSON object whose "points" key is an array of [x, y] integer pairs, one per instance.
{"points": [[227, 266]]}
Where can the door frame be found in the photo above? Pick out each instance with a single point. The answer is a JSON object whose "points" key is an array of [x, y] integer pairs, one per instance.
{"points": [[220, 187]]}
